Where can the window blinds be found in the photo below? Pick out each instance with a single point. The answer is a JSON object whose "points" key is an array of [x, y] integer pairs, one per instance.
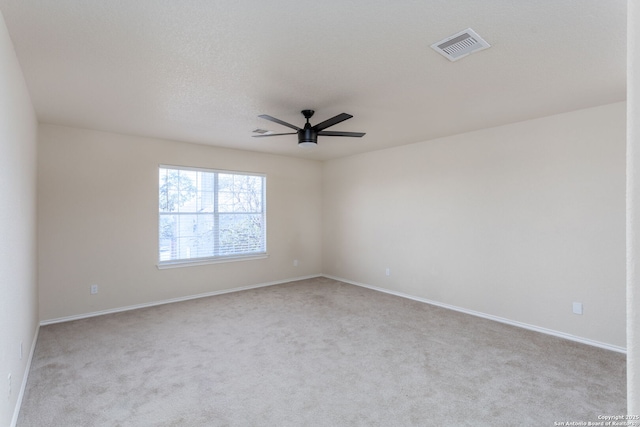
{"points": [[210, 214]]}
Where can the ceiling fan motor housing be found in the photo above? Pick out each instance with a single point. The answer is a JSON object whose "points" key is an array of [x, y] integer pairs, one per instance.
{"points": [[307, 135]]}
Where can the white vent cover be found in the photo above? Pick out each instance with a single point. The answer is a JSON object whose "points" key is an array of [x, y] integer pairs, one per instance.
{"points": [[460, 45], [262, 131]]}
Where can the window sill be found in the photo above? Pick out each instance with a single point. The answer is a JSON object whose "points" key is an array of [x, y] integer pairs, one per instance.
{"points": [[206, 261]]}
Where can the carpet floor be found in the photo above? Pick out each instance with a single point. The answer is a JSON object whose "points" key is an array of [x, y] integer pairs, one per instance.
{"points": [[313, 353]]}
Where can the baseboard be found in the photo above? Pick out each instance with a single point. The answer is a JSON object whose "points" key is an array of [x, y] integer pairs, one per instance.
{"points": [[172, 300], [375, 288], [488, 316], [25, 377]]}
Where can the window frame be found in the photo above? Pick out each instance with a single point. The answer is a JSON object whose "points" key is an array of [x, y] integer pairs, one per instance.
{"points": [[185, 262]]}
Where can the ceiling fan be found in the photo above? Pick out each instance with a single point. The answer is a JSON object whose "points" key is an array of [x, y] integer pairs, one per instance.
{"points": [[308, 136]]}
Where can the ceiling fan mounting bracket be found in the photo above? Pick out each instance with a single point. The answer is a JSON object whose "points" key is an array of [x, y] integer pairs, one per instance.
{"points": [[307, 114]]}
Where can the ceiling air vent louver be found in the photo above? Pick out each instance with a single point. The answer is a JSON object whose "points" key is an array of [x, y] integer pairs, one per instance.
{"points": [[460, 45]]}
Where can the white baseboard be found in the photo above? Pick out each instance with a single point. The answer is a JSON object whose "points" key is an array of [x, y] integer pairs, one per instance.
{"points": [[25, 377], [169, 301], [375, 288], [489, 316]]}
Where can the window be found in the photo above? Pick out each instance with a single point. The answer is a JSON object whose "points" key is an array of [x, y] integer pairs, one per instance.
{"points": [[206, 215]]}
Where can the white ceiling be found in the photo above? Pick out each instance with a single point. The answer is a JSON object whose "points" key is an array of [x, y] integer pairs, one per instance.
{"points": [[203, 70]]}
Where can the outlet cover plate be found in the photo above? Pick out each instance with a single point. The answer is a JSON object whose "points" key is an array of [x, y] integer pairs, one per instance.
{"points": [[577, 308]]}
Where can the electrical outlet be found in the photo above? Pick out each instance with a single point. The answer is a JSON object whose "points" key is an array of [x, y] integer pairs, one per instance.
{"points": [[295, 262], [577, 308], [387, 271], [94, 289]]}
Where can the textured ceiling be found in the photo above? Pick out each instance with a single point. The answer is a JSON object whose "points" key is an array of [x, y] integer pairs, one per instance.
{"points": [[203, 70]]}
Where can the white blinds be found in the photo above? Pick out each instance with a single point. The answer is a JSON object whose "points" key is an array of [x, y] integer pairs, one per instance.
{"points": [[210, 214]]}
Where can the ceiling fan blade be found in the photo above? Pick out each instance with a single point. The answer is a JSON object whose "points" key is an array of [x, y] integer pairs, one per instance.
{"points": [[273, 119], [330, 133], [273, 134], [332, 121]]}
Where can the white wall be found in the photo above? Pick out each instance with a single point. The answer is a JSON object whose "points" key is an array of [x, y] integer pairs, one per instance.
{"points": [[633, 208], [517, 221], [18, 292], [98, 216]]}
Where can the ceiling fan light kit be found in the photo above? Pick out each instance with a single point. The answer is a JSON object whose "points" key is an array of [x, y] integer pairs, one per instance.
{"points": [[308, 136], [307, 145]]}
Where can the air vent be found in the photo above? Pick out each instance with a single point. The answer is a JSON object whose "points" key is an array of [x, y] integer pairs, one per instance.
{"points": [[262, 131], [460, 45]]}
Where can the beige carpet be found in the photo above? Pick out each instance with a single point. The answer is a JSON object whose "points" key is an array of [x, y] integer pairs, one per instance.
{"points": [[312, 353]]}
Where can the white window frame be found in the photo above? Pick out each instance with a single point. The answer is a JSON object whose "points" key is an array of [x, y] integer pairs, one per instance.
{"points": [[184, 262]]}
